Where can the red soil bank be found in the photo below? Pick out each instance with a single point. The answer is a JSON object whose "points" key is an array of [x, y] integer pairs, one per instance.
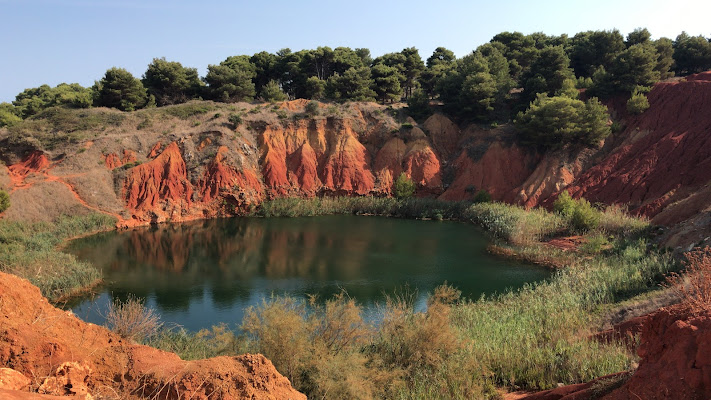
{"points": [[500, 170], [670, 158], [64, 356], [221, 178], [159, 186], [34, 162], [112, 160]]}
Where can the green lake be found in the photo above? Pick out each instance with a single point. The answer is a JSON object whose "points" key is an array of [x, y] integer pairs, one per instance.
{"points": [[199, 274]]}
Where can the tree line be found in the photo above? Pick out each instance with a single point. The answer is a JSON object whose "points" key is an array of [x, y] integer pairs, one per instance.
{"points": [[494, 82]]}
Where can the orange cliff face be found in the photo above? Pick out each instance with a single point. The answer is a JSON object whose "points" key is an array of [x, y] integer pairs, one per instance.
{"points": [[159, 187], [221, 179], [311, 156]]}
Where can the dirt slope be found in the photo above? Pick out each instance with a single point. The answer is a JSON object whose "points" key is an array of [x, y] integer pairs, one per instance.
{"points": [[665, 159], [62, 355]]}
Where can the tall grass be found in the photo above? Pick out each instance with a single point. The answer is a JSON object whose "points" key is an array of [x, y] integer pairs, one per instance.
{"points": [[538, 336], [31, 251]]}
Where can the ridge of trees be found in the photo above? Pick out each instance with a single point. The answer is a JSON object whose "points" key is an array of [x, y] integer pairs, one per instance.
{"points": [[493, 83]]}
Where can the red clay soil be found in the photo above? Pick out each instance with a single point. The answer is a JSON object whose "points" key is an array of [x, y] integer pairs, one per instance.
{"points": [[317, 156], [63, 355], [445, 135], [6, 394], [675, 362], [670, 158], [160, 185], [220, 178], [155, 150], [112, 160], [500, 170], [566, 243], [34, 162]]}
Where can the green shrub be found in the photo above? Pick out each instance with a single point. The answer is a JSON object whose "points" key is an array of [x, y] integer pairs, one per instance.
{"points": [[564, 204], [553, 122], [403, 187], [4, 201], [312, 107], [594, 244], [406, 126], [585, 217], [235, 120], [581, 215], [482, 196], [617, 127], [637, 104]]}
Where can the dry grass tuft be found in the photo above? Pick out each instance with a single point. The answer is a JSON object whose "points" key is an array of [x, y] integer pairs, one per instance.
{"points": [[694, 287], [132, 319]]}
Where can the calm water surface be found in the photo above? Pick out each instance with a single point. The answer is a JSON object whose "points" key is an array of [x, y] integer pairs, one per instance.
{"points": [[199, 274]]}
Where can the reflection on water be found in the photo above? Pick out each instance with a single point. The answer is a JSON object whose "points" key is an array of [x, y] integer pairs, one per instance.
{"points": [[199, 274]]}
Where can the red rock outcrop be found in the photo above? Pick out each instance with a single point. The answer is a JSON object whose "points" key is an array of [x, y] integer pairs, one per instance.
{"points": [[69, 379], [222, 178], [155, 150], [13, 380], [159, 186], [553, 173], [388, 162], [34, 162], [73, 354], [320, 154], [675, 362], [445, 135], [112, 160]]}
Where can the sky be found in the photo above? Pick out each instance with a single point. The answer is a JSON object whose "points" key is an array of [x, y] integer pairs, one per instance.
{"points": [[55, 41]]}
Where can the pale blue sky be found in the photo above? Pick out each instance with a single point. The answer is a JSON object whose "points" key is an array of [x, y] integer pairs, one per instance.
{"points": [[54, 41]]}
